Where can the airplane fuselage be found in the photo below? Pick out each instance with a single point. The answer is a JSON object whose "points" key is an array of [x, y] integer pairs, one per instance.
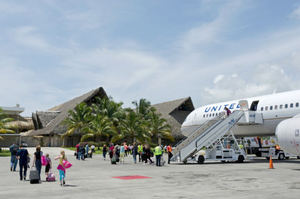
{"points": [[274, 109]]}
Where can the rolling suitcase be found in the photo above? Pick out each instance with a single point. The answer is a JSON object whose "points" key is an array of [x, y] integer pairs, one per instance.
{"points": [[34, 176]]}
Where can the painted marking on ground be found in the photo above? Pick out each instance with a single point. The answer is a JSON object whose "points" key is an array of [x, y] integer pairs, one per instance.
{"points": [[131, 177]]}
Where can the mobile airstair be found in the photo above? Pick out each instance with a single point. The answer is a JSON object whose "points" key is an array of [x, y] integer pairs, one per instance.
{"points": [[209, 135]]}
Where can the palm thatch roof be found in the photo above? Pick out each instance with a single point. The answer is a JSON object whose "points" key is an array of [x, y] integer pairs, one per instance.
{"points": [[166, 108], [21, 125], [175, 113], [54, 126]]}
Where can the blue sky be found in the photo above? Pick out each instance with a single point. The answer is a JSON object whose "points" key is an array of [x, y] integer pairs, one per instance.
{"points": [[52, 51]]}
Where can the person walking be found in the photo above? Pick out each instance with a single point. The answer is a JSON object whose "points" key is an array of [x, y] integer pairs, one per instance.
{"points": [[228, 112], [13, 156], [170, 155], [87, 150], [140, 152], [148, 153], [104, 151], [111, 150], [48, 165], [37, 160], [158, 154], [122, 153], [22, 156], [134, 152], [61, 168], [77, 151]]}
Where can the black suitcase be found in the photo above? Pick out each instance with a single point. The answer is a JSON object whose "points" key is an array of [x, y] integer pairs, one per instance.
{"points": [[113, 160], [34, 176]]}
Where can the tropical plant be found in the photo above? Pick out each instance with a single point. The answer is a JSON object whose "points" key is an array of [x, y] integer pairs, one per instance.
{"points": [[99, 126], [158, 127], [3, 124], [133, 128], [78, 120], [143, 108]]}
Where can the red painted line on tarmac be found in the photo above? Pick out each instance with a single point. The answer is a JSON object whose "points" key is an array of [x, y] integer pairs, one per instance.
{"points": [[131, 177]]}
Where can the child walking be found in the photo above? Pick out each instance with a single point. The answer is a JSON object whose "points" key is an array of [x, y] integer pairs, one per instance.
{"points": [[61, 168], [48, 165]]}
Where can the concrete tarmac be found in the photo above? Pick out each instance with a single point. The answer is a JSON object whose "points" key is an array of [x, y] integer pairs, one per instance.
{"points": [[93, 178]]}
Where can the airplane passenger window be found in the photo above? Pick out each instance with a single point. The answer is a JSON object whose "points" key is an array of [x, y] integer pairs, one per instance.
{"points": [[262, 108], [204, 115], [213, 114], [297, 104], [271, 108], [275, 107], [209, 115], [266, 108], [291, 105], [281, 106], [286, 106]]}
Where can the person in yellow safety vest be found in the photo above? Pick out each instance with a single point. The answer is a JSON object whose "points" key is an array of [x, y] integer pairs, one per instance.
{"points": [[158, 153], [140, 152], [241, 146]]}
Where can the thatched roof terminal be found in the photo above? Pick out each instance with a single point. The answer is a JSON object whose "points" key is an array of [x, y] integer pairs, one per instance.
{"points": [[54, 126]]}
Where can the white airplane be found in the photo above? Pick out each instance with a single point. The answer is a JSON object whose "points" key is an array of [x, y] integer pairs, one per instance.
{"points": [[280, 114]]}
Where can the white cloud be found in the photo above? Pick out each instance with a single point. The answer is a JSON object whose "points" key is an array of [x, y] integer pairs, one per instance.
{"points": [[264, 79], [296, 13], [218, 78], [210, 32], [28, 36]]}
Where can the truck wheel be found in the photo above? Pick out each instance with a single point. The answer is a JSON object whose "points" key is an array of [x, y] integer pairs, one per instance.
{"points": [[298, 157], [185, 161], [268, 158], [201, 159], [287, 158], [281, 156], [241, 159]]}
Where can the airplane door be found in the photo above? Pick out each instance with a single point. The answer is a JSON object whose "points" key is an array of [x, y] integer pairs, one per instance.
{"points": [[254, 105]]}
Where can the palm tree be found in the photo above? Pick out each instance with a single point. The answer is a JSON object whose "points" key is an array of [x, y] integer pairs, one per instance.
{"points": [[3, 124], [143, 108], [78, 120], [113, 112], [134, 128], [99, 126], [159, 128]]}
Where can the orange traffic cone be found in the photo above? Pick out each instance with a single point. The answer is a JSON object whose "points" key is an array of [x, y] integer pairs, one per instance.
{"points": [[271, 163]]}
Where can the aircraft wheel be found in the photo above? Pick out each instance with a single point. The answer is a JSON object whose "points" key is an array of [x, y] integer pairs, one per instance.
{"points": [[201, 159], [281, 156], [241, 159]]}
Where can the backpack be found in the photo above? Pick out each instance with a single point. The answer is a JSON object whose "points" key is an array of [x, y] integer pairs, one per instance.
{"points": [[44, 160]]}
